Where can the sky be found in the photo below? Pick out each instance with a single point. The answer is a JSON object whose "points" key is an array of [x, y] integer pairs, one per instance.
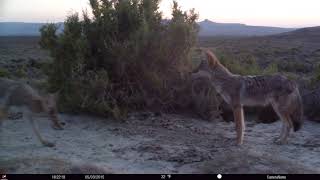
{"points": [[280, 13]]}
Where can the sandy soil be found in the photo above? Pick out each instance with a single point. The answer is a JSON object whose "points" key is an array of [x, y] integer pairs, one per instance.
{"points": [[146, 143]]}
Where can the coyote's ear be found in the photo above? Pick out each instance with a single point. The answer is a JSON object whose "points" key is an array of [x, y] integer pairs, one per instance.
{"points": [[212, 59]]}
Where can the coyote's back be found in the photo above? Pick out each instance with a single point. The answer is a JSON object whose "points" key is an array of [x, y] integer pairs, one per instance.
{"points": [[266, 87], [13, 93], [282, 93]]}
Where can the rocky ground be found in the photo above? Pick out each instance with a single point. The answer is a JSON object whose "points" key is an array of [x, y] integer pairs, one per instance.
{"points": [[146, 143]]}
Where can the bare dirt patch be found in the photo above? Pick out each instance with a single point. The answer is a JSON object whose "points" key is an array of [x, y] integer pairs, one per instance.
{"points": [[146, 143]]}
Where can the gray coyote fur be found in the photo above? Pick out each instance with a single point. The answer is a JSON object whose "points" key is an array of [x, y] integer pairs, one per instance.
{"points": [[14, 94], [238, 91]]}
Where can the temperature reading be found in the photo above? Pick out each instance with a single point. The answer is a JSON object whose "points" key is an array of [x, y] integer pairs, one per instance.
{"points": [[168, 176]]}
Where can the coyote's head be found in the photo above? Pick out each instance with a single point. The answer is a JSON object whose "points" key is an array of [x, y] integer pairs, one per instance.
{"points": [[207, 66]]}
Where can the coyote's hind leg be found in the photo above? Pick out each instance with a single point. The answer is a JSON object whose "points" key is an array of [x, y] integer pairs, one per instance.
{"points": [[29, 116]]}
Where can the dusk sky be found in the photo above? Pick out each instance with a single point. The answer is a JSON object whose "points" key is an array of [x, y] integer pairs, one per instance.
{"points": [[282, 13]]}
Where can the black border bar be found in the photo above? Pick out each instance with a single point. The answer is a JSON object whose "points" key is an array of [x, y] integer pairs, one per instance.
{"points": [[158, 176]]}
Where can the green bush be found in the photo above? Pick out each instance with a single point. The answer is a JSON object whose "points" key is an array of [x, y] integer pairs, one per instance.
{"points": [[247, 66], [315, 79], [21, 71], [272, 68], [295, 67], [4, 72], [124, 58]]}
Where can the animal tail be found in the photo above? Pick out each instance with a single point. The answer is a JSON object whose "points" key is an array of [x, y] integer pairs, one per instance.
{"points": [[297, 114]]}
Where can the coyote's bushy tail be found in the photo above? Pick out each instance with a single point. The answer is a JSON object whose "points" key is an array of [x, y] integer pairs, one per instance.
{"points": [[297, 113]]}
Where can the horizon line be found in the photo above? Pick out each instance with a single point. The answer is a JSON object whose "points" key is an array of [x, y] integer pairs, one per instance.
{"points": [[285, 27]]}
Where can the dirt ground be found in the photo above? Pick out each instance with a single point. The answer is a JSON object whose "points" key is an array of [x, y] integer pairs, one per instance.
{"points": [[146, 143]]}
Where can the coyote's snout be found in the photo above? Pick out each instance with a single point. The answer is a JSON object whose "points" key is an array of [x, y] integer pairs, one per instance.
{"points": [[21, 96], [238, 91]]}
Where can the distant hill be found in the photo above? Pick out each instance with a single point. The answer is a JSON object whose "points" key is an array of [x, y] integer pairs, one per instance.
{"points": [[296, 51], [20, 29], [209, 28], [310, 34]]}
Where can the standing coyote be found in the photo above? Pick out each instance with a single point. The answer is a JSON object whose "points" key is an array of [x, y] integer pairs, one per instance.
{"points": [[21, 96], [238, 91]]}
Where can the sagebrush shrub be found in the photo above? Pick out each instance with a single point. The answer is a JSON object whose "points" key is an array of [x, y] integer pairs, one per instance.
{"points": [[125, 57]]}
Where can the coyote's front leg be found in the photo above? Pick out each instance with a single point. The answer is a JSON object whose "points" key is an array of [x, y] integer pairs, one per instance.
{"points": [[239, 120]]}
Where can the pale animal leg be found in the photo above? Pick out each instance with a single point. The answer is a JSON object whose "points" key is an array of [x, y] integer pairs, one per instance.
{"points": [[29, 116], [240, 126], [287, 130]]}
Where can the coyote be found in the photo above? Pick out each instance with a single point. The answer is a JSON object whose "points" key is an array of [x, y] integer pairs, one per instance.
{"points": [[21, 96], [238, 91]]}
